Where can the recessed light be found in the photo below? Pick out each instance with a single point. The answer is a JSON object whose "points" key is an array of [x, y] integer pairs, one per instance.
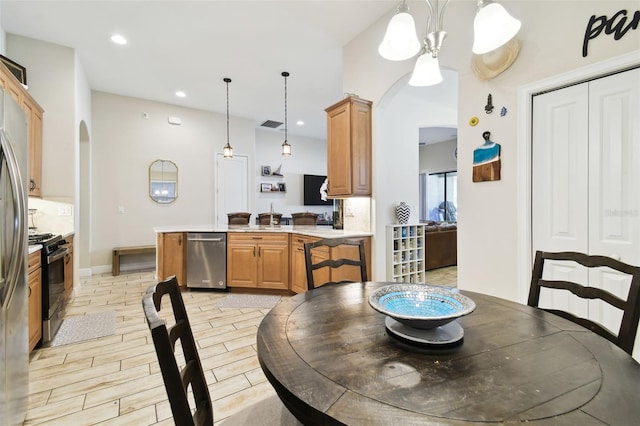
{"points": [[300, 123], [118, 39], [181, 94]]}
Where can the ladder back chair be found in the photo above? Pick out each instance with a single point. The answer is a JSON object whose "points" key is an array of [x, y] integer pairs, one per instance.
{"points": [[332, 243], [177, 379], [630, 307]]}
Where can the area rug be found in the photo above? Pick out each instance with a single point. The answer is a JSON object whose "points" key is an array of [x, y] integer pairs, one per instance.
{"points": [[248, 301], [85, 327]]}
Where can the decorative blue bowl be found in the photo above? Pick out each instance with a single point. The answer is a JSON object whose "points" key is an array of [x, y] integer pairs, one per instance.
{"points": [[421, 305]]}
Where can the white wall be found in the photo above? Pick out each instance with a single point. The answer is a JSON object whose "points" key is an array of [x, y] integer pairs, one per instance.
{"points": [[124, 144], [438, 157], [309, 156], [488, 220], [51, 80]]}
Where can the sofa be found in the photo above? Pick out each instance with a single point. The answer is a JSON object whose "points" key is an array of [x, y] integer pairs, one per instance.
{"points": [[441, 244]]}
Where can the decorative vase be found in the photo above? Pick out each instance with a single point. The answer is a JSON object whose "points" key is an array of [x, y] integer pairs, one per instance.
{"points": [[403, 211]]}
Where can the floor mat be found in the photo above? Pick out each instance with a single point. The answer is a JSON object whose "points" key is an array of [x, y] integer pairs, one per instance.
{"points": [[85, 327], [248, 301]]}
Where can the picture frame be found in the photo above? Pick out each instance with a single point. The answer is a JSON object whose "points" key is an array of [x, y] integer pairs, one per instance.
{"points": [[282, 187], [265, 187], [266, 170], [16, 69]]}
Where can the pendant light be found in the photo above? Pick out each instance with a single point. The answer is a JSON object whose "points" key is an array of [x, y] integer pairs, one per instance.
{"points": [[227, 150], [286, 148], [492, 27], [400, 41]]}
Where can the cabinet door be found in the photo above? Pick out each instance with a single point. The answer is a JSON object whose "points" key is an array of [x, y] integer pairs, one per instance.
{"points": [[35, 153], [273, 265], [35, 308], [339, 149], [349, 147], [171, 248], [298, 267], [242, 264]]}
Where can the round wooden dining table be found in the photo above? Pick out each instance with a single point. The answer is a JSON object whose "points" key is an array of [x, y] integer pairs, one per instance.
{"points": [[331, 361]]}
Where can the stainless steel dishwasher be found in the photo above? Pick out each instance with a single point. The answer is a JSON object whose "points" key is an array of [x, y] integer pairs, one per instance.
{"points": [[207, 260]]}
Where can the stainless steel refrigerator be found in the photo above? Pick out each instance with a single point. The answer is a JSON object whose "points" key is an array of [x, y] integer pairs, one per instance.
{"points": [[14, 327]]}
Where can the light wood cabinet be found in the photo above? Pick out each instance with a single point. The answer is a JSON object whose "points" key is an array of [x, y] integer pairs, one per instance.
{"points": [[298, 264], [322, 275], [258, 260], [349, 147], [35, 299], [68, 268], [171, 256], [34, 115]]}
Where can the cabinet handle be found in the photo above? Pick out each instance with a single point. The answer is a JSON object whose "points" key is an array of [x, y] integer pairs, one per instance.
{"points": [[300, 249], [29, 292], [179, 240], [67, 258], [256, 238], [259, 249], [254, 251], [300, 240], [32, 184]]}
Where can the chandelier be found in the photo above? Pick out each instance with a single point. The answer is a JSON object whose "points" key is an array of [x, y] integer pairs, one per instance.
{"points": [[493, 27]]}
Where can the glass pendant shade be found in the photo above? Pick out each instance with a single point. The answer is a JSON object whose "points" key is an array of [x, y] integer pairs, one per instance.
{"points": [[426, 71], [286, 149], [227, 151], [493, 27], [400, 41]]}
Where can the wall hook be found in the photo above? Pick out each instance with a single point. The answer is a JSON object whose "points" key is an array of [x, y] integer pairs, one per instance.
{"points": [[488, 108]]}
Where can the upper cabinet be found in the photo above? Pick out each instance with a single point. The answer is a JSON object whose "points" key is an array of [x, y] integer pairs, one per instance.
{"points": [[349, 147], [34, 114]]}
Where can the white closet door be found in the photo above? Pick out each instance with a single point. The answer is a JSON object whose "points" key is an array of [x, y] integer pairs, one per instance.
{"points": [[560, 174], [586, 184], [232, 186], [560, 187], [614, 166], [614, 183]]}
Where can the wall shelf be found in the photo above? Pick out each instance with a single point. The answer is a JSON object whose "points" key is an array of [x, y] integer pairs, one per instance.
{"points": [[405, 253]]}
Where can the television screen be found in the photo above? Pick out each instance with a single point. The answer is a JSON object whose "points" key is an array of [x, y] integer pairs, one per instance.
{"points": [[312, 184]]}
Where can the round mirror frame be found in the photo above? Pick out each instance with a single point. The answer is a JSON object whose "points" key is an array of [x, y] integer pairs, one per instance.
{"points": [[163, 181]]}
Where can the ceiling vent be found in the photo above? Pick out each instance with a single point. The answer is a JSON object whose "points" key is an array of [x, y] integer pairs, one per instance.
{"points": [[271, 124]]}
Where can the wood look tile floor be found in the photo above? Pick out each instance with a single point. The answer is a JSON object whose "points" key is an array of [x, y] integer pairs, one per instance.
{"points": [[115, 380]]}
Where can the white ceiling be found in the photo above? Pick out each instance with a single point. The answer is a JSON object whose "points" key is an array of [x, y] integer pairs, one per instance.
{"points": [[192, 45]]}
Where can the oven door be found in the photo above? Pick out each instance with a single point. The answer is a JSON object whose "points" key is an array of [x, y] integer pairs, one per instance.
{"points": [[54, 281]]}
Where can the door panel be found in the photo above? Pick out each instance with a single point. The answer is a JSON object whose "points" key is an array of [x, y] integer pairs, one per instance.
{"points": [[559, 181], [586, 174], [232, 186], [614, 167]]}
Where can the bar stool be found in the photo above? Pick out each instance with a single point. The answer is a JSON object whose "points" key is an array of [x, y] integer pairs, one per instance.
{"points": [[306, 218], [239, 218], [265, 218]]}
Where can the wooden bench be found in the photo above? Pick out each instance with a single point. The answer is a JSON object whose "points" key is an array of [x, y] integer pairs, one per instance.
{"points": [[125, 251]]}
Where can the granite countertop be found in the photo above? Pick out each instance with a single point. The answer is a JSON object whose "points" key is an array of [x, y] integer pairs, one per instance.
{"points": [[312, 231]]}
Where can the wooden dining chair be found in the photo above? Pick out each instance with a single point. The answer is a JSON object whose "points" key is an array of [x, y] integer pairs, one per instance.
{"points": [[177, 379], [630, 307], [333, 264]]}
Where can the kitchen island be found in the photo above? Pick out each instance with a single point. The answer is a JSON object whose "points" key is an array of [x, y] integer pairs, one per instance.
{"points": [[269, 259]]}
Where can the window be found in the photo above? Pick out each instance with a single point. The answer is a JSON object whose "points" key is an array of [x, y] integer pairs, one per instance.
{"points": [[439, 196]]}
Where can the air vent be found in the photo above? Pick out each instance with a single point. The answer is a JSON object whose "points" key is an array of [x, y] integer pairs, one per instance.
{"points": [[271, 124]]}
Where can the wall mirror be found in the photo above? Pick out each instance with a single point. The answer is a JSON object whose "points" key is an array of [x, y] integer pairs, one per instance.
{"points": [[163, 181]]}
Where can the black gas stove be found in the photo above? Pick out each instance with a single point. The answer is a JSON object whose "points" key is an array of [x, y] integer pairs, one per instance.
{"points": [[54, 254]]}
